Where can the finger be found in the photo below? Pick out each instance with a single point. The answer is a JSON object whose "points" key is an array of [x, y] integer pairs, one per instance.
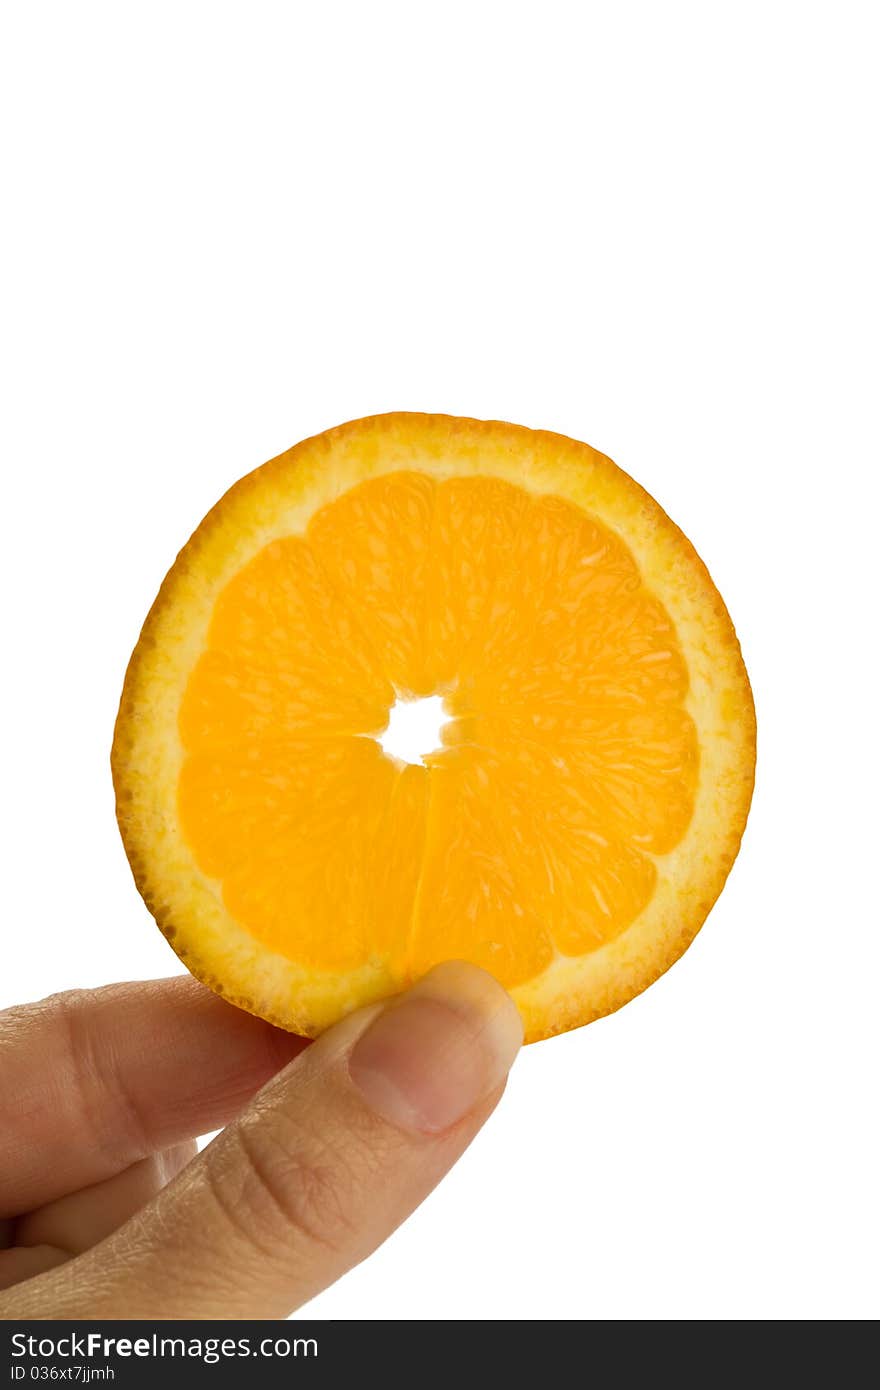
{"points": [[320, 1168], [78, 1221], [17, 1265], [95, 1080], [66, 1227]]}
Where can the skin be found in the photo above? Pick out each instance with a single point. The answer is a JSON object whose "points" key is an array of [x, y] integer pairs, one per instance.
{"points": [[107, 1210]]}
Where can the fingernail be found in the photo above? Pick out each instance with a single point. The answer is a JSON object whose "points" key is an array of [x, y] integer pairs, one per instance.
{"points": [[435, 1053]]}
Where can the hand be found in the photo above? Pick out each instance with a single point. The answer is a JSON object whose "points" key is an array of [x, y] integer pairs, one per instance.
{"points": [[110, 1213]]}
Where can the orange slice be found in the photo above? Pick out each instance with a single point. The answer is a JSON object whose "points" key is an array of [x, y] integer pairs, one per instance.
{"points": [[579, 819]]}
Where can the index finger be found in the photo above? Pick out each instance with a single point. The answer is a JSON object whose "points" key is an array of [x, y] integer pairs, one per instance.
{"points": [[94, 1080]]}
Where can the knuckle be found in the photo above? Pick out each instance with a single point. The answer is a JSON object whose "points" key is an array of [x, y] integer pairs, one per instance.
{"points": [[96, 1081], [283, 1193]]}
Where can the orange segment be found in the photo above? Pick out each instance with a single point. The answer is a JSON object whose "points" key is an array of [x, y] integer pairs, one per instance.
{"points": [[619, 653], [373, 542], [633, 774], [292, 831], [283, 654], [584, 878], [583, 814], [469, 903], [519, 839], [569, 605], [476, 522]]}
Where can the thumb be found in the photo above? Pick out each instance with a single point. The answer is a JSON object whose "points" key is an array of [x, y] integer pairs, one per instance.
{"points": [[324, 1164]]}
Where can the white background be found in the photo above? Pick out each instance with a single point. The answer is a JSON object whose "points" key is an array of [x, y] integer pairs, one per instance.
{"points": [[653, 227]]}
